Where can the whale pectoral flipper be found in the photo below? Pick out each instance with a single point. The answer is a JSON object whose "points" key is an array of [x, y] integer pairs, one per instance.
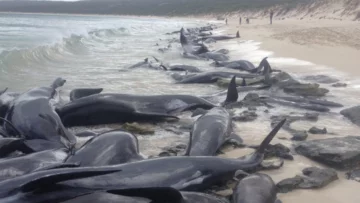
{"points": [[220, 152], [156, 59], [181, 109], [234, 139], [199, 111], [238, 173], [164, 67], [48, 118], [12, 126], [156, 194], [197, 178], [9, 145]]}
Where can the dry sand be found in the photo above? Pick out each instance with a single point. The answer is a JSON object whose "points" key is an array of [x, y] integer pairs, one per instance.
{"points": [[333, 43]]}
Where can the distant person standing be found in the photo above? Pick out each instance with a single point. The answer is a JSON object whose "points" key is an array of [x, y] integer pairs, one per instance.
{"points": [[240, 21], [226, 21], [271, 16], [247, 20]]}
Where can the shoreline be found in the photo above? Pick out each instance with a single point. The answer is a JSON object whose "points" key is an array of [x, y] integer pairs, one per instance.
{"points": [[283, 38], [330, 43]]}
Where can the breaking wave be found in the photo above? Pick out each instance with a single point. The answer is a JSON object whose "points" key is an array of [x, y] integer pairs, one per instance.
{"points": [[67, 48]]}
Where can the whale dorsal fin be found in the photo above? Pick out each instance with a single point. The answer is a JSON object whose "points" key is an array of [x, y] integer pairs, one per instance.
{"points": [[243, 82], [189, 145], [3, 91], [232, 93]]}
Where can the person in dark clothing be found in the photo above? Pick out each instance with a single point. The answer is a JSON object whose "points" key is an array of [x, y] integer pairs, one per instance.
{"points": [[226, 21], [247, 20], [240, 21], [271, 16]]}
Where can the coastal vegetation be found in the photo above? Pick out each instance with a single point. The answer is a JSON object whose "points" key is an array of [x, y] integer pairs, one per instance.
{"points": [[146, 7]]}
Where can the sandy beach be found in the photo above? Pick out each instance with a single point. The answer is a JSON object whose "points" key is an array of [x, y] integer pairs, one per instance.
{"points": [[333, 43], [327, 42]]}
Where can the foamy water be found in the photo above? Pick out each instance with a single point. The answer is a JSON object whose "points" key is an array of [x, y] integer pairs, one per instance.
{"points": [[89, 51]]}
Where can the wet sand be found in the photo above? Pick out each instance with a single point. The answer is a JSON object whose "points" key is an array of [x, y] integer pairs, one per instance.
{"points": [[331, 43]]}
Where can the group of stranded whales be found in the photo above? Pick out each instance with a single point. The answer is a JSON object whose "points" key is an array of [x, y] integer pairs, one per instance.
{"points": [[42, 161], [57, 175]]}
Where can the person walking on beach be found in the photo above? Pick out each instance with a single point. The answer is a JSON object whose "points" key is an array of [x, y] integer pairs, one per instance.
{"points": [[240, 20], [247, 20], [271, 16], [226, 21]]}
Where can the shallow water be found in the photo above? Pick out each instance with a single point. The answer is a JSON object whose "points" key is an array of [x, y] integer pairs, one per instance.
{"points": [[89, 51]]}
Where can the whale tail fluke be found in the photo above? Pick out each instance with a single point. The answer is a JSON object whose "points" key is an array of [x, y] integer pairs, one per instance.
{"points": [[265, 143], [257, 157]]}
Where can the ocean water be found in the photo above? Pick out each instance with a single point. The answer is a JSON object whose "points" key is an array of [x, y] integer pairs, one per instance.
{"points": [[96, 51], [87, 51]]}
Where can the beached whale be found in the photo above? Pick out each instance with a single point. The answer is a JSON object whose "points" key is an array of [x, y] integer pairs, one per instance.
{"points": [[108, 148], [190, 47], [114, 108], [221, 37], [214, 56], [41, 186], [183, 173], [146, 195], [18, 166], [243, 65], [145, 62], [212, 77], [259, 188], [213, 128], [190, 69], [210, 132], [33, 117]]}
